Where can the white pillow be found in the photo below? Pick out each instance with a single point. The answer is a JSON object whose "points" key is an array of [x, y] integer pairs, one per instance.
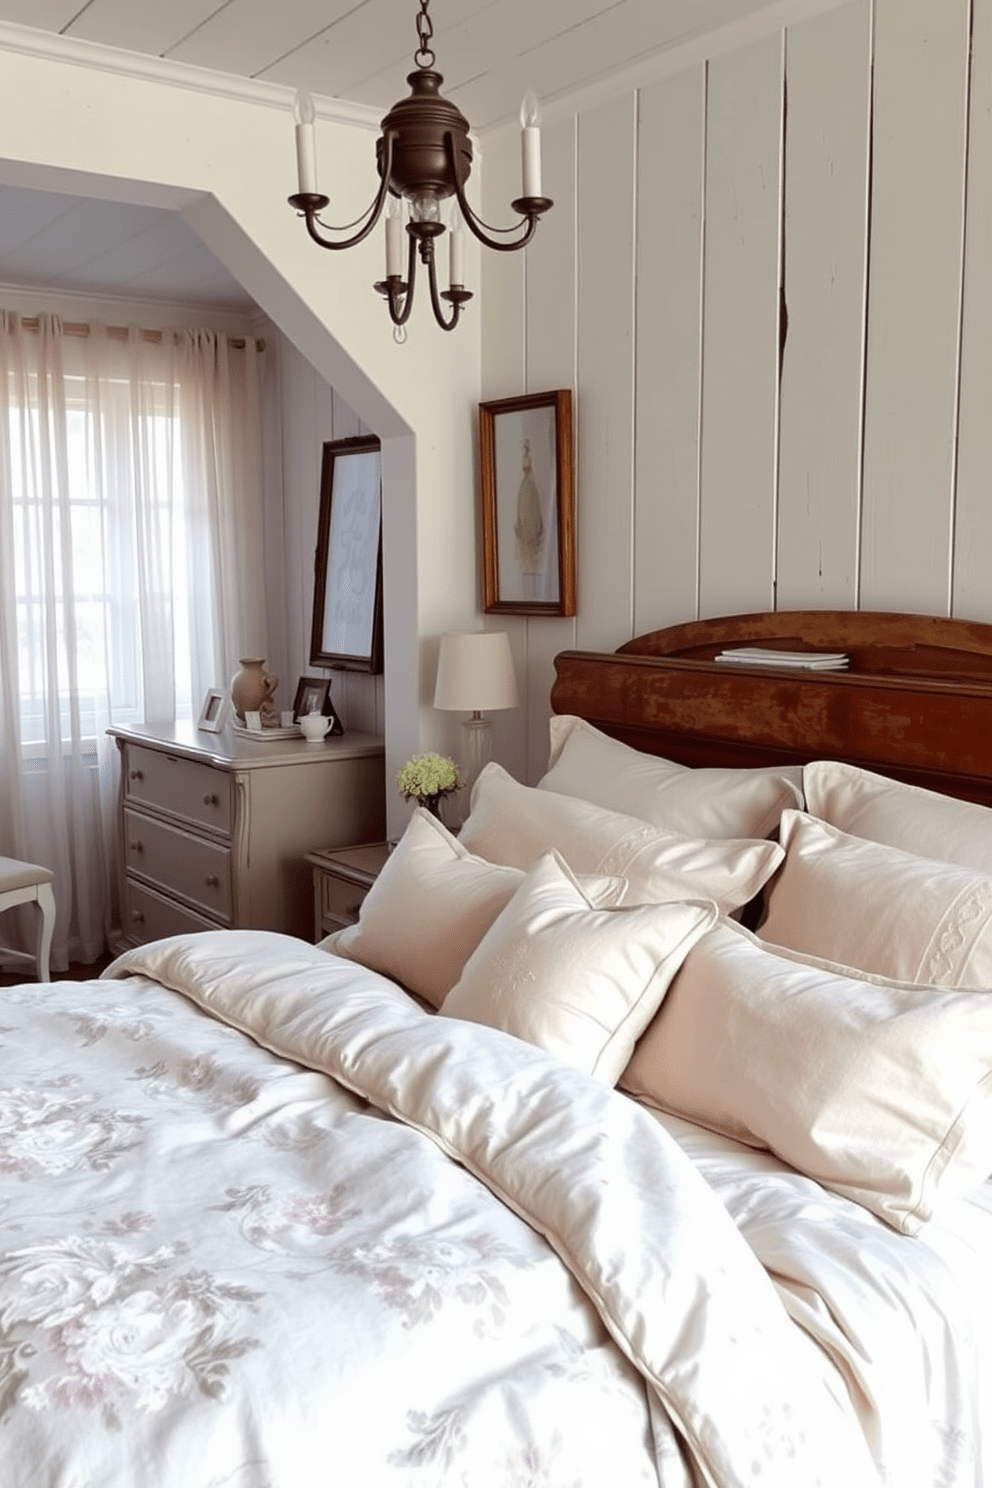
{"points": [[430, 906], [879, 908], [907, 816], [878, 1090], [514, 824], [695, 803], [578, 981]]}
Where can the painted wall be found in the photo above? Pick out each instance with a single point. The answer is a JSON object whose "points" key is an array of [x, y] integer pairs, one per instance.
{"points": [[768, 279]]}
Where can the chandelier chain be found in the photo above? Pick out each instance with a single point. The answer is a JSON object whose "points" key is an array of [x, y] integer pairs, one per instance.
{"points": [[424, 55]]}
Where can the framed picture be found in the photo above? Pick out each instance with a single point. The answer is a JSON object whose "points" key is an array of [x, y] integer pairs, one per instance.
{"points": [[528, 505], [313, 695], [347, 595], [213, 714]]}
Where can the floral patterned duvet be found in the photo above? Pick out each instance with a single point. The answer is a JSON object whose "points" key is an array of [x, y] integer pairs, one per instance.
{"points": [[264, 1223]]}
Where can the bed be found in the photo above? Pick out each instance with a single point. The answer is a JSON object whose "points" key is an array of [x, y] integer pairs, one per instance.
{"points": [[639, 1134]]}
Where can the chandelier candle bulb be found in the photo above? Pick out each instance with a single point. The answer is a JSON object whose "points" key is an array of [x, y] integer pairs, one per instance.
{"points": [[394, 244], [530, 144], [456, 271], [306, 152]]}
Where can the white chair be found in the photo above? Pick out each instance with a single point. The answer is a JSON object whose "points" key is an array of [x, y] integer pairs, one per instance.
{"points": [[27, 883]]}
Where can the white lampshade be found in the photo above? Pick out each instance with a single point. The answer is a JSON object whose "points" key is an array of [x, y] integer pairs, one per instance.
{"points": [[475, 671]]}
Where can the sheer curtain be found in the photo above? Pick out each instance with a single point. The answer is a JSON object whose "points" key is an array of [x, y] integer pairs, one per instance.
{"points": [[131, 576]]}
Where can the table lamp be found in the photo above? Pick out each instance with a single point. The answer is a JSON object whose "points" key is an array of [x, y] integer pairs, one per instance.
{"points": [[475, 671]]}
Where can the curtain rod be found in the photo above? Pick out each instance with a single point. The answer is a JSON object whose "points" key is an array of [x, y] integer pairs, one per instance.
{"points": [[120, 333]]}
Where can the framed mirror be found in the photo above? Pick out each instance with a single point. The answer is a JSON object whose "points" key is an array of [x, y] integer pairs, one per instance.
{"points": [[347, 594]]}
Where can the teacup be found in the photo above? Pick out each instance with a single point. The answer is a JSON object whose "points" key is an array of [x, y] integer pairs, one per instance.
{"points": [[314, 726]]}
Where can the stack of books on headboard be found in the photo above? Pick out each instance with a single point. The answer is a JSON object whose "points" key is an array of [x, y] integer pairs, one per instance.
{"points": [[766, 656]]}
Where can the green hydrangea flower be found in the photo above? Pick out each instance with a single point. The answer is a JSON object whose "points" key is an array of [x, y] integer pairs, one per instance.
{"points": [[427, 776]]}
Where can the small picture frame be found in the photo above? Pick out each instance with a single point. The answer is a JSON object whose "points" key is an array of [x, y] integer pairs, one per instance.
{"points": [[528, 504], [313, 695], [213, 714]]}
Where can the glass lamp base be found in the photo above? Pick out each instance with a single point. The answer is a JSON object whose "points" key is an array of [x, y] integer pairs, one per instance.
{"points": [[477, 747]]}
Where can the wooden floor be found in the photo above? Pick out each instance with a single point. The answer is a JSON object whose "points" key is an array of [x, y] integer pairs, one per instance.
{"points": [[77, 972]]}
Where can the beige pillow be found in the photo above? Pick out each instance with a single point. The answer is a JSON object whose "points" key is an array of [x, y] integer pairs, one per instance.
{"points": [[430, 906], [695, 803], [878, 1090], [578, 981], [514, 824], [879, 908], [907, 816]]}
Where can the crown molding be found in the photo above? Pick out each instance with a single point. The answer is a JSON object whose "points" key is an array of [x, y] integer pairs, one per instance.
{"points": [[47, 46]]}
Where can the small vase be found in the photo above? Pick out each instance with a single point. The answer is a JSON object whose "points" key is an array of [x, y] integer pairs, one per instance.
{"points": [[431, 804], [252, 688]]}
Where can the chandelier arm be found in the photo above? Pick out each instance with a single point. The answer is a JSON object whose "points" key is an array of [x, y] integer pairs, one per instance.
{"points": [[397, 294], [310, 206], [456, 309], [530, 209]]}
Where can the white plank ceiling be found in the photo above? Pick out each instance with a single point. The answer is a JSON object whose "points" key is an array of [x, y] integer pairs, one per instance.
{"points": [[489, 51]]}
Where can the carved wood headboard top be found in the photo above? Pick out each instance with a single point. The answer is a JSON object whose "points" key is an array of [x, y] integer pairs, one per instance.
{"points": [[914, 703]]}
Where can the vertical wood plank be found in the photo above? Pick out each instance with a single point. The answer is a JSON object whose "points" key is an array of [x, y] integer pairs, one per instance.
{"points": [[671, 139], [551, 363], [606, 216], [740, 337], [921, 57], [826, 200], [972, 593], [501, 283]]}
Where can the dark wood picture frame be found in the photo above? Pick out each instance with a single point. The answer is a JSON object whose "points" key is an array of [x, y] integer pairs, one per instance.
{"points": [[347, 596], [528, 504], [313, 695]]}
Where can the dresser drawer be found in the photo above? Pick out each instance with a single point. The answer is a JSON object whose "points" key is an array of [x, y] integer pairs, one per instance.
{"points": [[340, 900], [147, 916], [182, 787], [193, 867]]}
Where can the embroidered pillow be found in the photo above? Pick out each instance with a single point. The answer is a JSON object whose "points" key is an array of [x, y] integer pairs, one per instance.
{"points": [[514, 824], [879, 908]]}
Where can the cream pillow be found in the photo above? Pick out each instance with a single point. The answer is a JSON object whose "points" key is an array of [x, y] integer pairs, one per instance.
{"points": [[430, 906], [879, 908], [579, 981], [878, 1090], [514, 824], [695, 803], [907, 816]]}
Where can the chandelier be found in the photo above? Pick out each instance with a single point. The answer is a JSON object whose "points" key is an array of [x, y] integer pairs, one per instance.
{"points": [[423, 157]]}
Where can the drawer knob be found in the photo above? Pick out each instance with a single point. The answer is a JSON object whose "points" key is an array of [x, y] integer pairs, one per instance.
{"points": [[137, 775], [211, 880], [137, 917], [137, 846], [211, 800]]}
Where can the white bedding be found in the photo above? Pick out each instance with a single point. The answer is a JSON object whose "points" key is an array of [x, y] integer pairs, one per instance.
{"points": [[907, 1318], [222, 1266]]}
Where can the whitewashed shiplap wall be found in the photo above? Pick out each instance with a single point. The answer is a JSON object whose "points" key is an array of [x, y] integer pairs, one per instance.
{"points": [[768, 279]]}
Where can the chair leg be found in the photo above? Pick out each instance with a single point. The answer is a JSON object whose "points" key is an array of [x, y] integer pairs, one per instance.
{"points": [[46, 904]]}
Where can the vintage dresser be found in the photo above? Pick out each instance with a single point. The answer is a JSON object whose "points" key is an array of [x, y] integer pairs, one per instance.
{"points": [[214, 828]]}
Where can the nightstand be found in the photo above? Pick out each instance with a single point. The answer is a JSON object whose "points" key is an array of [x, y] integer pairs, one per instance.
{"points": [[342, 876]]}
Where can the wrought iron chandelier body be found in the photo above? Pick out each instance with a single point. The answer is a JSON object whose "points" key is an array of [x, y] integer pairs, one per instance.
{"points": [[423, 157]]}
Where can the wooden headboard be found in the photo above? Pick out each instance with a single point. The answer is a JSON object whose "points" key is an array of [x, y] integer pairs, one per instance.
{"points": [[915, 702]]}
